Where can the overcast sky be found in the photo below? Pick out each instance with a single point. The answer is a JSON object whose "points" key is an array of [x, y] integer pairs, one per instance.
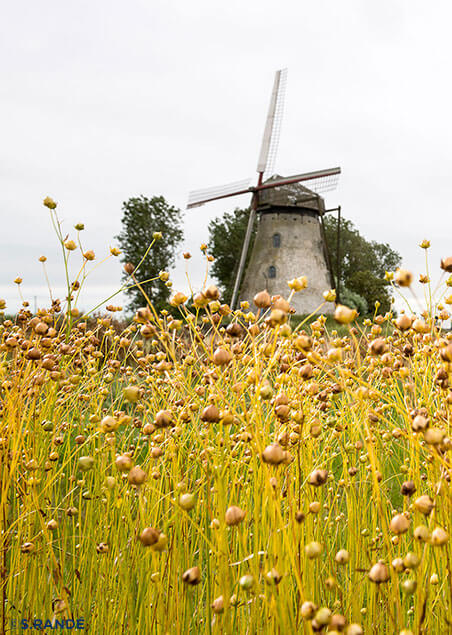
{"points": [[103, 100]]}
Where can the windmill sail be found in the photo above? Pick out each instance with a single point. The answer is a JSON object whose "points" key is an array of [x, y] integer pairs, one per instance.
{"points": [[272, 130], [265, 163], [199, 197]]}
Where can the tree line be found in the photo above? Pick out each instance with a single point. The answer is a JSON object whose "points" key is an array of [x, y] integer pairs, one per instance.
{"points": [[363, 263]]}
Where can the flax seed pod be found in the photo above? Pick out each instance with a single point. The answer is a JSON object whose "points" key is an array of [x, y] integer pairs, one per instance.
{"points": [[41, 328], [403, 322], [318, 478], [408, 488], [420, 326], [163, 418], [403, 277], [161, 543], [323, 616], [86, 463], [27, 547], [192, 576], [221, 357], [109, 424], [273, 577], [434, 436], [424, 504], [178, 299], [434, 579], [313, 550], [411, 560], [422, 533], [234, 516], [144, 314], [439, 537], [344, 315], [273, 454], [306, 371], [379, 573], [378, 346], [303, 342], [419, 423], [314, 507], [212, 292], [246, 582], [399, 524], [218, 605], [34, 354], [102, 547], [342, 556], [397, 565], [124, 463], [446, 353], [210, 414], [187, 501], [337, 623], [149, 536], [131, 393], [308, 610], [136, 476]]}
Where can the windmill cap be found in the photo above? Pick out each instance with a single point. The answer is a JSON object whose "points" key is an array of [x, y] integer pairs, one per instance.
{"points": [[292, 195]]}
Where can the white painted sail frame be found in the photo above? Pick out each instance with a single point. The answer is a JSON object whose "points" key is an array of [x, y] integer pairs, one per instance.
{"points": [[272, 129]]}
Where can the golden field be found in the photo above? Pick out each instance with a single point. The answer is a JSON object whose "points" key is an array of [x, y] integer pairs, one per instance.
{"points": [[209, 471]]}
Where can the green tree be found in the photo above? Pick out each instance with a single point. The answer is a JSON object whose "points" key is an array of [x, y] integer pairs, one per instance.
{"points": [[141, 217], [226, 236], [363, 263]]}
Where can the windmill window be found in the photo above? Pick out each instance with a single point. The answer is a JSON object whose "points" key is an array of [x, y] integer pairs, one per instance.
{"points": [[276, 240], [272, 272]]}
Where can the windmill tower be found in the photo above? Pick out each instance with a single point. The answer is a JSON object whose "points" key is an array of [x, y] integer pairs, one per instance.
{"points": [[290, 240]]}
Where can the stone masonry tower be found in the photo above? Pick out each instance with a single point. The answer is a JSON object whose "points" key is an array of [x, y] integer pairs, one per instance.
{"points": [[290, 242]]}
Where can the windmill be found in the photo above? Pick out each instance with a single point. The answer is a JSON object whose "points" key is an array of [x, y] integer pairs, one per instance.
{"points": [[290, 238]]}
